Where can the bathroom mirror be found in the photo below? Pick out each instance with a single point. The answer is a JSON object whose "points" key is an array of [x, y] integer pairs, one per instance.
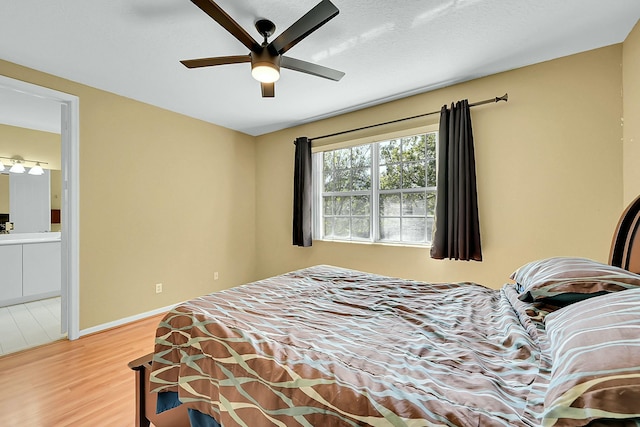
{"points": [[30, 130]]}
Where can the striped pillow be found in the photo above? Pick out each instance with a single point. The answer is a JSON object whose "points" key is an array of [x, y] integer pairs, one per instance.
{"points": [[595, 348], [565, 280]]}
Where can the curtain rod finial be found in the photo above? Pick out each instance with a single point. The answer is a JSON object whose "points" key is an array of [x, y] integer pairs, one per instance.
{"points": [[504, 98]]}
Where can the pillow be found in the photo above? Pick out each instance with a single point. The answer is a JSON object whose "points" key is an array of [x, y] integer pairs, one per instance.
{"points": [[565, 280], [595, 348]]}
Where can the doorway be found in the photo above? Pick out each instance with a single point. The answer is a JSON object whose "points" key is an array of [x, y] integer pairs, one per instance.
{"points": [[69, 205]]}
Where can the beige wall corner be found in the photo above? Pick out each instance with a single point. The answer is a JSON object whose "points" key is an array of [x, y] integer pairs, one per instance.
{"points": [[631, 111], [548, 162]]}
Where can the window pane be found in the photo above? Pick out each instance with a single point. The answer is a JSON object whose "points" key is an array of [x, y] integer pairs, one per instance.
{"points": [[341, 228], [413, 148], [390, 205], [361, 179], [327, 161], [429, 229], [361, 156], [389, 177], [414, 204], [431, 145], [389, 151], [431, 203], [414, 230], [390, 229], [327, 204], [342, 180], [431, 173], [328, 227], [342, 158], [360, 205], [342, 205], [361, 228], [329, 182], [413, 175]]}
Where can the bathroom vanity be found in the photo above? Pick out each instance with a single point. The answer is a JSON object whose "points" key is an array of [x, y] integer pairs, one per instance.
{"points": [[31, 267]]}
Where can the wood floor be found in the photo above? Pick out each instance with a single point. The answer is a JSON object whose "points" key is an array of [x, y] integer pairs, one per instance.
{"points": [[78, 383]]}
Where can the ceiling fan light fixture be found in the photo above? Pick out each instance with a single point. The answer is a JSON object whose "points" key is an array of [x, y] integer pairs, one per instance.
{"points": [[265, 68], [266, 73]]}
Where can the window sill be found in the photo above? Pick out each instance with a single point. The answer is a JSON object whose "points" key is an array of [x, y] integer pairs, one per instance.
{"points": [[367, 243]]}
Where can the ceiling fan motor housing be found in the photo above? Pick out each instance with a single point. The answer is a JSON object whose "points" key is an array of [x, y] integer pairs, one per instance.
{"points": [[265, 28]]}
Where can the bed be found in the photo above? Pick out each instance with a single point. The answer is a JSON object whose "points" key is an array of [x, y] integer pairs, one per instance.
{"points": [[328, 346]]}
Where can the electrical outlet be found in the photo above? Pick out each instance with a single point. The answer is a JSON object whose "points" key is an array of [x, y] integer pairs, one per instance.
{"points": [[158, 288], [215, 276]]}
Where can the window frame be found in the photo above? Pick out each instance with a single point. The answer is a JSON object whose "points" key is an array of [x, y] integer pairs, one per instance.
{"points": [[374, 192]]}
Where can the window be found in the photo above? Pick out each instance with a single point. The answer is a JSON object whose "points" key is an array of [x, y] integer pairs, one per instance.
{"points": [[378, 192]]}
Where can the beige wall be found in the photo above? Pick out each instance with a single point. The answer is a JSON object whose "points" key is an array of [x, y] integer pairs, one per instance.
{"points": [[548, 165], [163, 198], [631, 106], [30, 144]]}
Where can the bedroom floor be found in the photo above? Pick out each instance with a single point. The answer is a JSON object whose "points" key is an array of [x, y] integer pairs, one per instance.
{"points": [[29, 325], [85, 382]]}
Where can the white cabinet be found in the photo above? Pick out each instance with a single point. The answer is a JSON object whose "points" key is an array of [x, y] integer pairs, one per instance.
{"points": [[41, 268], [29, 271], [10, 272]]}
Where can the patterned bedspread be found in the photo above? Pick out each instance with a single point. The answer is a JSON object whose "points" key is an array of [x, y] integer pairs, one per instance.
{"points": [[326, 346]]}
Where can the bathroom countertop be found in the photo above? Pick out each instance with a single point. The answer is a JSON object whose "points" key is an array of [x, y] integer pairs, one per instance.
{"points": [[21, 238]]}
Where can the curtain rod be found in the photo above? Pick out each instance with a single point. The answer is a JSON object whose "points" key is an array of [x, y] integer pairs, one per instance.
{"points": [[504, 97]]}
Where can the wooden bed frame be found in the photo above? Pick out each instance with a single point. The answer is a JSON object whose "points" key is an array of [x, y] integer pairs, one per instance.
{"points": [[625, 247], [624, 253]]}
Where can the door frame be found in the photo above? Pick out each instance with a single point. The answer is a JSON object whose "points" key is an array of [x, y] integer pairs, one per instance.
{"points": [[70, 205]]}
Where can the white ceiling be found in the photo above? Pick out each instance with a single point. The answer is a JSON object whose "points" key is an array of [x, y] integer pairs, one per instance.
{"points": [[29, 111], [387, 48]]}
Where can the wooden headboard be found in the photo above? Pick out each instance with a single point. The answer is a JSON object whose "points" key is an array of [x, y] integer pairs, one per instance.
{"points": [[625, 247]]}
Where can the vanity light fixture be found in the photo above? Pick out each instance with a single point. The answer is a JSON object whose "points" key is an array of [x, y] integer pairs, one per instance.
{"points": [[18, 165], [36, 170]]}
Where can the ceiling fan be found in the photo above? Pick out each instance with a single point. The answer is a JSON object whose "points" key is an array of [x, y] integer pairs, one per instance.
{"points": [[267, 58]]}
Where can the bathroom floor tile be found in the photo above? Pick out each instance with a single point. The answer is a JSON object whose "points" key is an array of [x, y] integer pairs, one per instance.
{"points": [[30, 324]]}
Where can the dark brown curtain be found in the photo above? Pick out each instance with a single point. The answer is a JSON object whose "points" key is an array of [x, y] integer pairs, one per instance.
{"points": [[457, 227], [302, 193]]}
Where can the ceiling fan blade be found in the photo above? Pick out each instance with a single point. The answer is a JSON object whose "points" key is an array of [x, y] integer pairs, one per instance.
{"points": [[218, 60], [311, 21], [268, 90], [221, 17], [309, 68]]}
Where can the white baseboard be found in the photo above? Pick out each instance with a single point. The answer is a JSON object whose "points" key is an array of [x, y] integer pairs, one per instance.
{"points": [[120, 322]]}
